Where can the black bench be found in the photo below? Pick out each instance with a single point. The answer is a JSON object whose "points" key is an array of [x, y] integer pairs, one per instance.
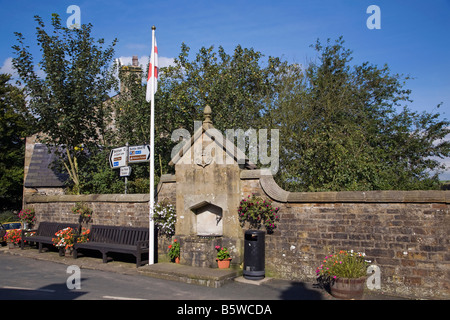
{"points": [[117, 239], [45, 233]]}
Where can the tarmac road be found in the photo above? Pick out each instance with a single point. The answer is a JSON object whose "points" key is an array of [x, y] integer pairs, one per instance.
{"points": [[25, 278], [26, 274]]}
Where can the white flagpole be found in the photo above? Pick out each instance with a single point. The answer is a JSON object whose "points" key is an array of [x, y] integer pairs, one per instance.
{"points": [[151, 241]]}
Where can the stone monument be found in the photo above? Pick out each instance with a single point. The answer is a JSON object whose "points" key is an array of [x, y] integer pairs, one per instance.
{"points": [[207, 196]]}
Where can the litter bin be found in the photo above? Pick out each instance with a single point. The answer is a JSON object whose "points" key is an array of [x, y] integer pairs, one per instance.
{"points": [[254, 255]]}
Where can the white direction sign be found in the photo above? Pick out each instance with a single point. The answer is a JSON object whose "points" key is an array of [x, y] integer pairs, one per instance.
{"points": [[118, 157], [125, 171], [139, 154]]}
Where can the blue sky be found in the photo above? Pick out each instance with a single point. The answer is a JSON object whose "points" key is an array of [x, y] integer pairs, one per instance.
{"points": [[414, 38]]}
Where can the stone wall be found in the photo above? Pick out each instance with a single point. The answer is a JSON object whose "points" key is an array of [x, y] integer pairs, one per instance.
{"points": [[108, 209], [405, 233]]}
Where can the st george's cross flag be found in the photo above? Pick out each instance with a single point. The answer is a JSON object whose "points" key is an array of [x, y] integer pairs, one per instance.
{"points": [[152, 73]]}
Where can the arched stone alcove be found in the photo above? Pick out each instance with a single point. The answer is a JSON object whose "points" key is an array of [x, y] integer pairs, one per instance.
{"points": [[208, 219]]}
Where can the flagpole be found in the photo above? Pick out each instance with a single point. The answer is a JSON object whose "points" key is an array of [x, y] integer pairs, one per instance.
{"points": [[151, 241]]}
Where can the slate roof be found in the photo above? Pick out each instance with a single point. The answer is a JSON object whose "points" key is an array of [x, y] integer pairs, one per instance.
{"points": [[40, 174]]}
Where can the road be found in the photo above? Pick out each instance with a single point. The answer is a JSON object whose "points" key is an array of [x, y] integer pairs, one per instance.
{"points": [[25, 278]]}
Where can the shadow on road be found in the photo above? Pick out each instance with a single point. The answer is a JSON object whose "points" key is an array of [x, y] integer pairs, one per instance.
{"points": [[56, 291], [293, 290]]}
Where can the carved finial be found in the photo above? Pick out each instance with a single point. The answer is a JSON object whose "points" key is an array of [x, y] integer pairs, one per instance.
{"points": [[207, 113]]}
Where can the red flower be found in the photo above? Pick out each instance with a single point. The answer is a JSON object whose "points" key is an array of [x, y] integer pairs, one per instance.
{"points": [[170, 246]]}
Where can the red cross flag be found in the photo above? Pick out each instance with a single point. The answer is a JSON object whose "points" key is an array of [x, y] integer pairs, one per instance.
{"points": [[152, 73]]}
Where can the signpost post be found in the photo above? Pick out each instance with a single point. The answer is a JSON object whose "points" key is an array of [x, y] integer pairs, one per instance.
{"points": [[118, 159], [125, 172]]}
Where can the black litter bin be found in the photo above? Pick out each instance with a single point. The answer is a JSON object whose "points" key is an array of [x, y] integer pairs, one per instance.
{"points": [[254, 255]]}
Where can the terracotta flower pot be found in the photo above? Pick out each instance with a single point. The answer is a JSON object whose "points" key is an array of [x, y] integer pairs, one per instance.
{"points": [[177, 260], [348, 288], [223, 264]]}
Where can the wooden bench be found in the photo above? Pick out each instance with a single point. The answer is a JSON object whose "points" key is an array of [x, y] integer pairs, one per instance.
{"points": [[45, 233], [117, 239]]}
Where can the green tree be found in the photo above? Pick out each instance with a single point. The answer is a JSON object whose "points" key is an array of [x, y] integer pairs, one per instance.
{"points": [[239, 88], [68, 100], [15, 125], [340, 128]]}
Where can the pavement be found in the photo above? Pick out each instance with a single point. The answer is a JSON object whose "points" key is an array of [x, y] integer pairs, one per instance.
{"points": [[208, 277]]}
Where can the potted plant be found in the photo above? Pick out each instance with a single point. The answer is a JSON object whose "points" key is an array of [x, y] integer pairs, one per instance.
{"points": [[345, 273], [28, 218], [174, 251], [258, 211], [83, 236], [13, 237], [223, 257], [64, 240]]}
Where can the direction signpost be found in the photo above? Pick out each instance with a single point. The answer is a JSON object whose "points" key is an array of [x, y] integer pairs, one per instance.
{"points": [[118, 157], [139, 154], [125, 171]]}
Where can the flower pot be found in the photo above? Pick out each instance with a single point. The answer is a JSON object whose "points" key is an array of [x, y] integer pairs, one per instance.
{"points": [[348, 288], [63, 252], [68, 252], [177, 260], [12, 245], [223, 264]]}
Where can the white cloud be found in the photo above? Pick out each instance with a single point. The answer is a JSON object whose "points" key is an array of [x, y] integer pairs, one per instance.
{"points": [[143, 61], [445, 175], [165, 62], [7, 67]]}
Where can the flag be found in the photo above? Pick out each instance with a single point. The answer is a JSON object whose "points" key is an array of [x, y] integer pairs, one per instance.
{"points": [[152, 73]]}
